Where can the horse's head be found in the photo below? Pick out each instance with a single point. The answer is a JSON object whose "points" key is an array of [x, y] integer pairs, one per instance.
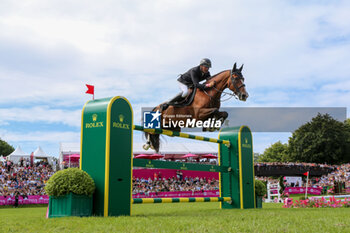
{"points": [[236, 83]]}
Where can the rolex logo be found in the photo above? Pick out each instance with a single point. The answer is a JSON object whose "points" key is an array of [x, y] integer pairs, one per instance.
{"points": [[94, 117], [246, 143], [94, 124], [120, 124], [121, 118]]}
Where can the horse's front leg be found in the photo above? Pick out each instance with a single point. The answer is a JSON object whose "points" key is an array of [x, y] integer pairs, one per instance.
{"points": [[206, 114], [219, 118]]}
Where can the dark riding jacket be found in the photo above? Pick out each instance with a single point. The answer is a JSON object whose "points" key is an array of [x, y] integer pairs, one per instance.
{"points": [[193, 76]]}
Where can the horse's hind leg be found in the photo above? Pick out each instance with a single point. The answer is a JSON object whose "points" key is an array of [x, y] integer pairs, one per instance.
{"points": [[149, 139], [148, 142]]}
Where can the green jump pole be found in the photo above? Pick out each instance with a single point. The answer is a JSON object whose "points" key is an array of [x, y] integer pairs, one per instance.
{"points": [[181, 135]]}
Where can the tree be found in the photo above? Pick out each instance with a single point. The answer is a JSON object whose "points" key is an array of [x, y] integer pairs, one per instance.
{"points": [[322, 140], [347, 121], [277, 152], [5, 148], [347, 125], [256, 157]]}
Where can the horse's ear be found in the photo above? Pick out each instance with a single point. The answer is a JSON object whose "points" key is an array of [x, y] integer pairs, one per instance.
{"points": [[234, 67], [240, 69]]}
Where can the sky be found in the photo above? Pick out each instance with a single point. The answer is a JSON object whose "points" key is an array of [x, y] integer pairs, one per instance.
{"points": [[295, 54]]}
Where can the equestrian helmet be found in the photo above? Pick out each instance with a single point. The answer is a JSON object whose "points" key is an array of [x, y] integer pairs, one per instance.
{"points": [[205, 62]]}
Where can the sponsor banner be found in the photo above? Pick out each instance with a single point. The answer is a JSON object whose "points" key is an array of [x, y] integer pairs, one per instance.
{"points": [[298, 190], [171, 173], [31, 199], [204, 193]]}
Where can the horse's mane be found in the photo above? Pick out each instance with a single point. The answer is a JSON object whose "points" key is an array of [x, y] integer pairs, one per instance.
{"points": [[214, 76]]}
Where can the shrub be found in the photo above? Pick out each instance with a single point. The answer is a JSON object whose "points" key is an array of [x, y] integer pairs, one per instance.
{"points": [[260, 188], [70, 180]]}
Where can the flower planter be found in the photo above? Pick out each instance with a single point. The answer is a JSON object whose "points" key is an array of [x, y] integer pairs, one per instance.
{"points": [[258, 202], [70, 205]]}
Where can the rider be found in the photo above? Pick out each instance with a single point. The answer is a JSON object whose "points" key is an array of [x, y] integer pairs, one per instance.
{"points": [[192, 78]]}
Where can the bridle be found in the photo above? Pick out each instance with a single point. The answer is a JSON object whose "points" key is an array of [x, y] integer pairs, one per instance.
{"points": [[234, 76]]}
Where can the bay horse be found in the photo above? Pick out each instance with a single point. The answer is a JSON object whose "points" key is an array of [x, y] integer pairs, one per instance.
{"points": [[205, 105]]}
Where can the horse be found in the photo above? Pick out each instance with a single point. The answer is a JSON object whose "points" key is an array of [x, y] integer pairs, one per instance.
{"points": [[205, 105]]}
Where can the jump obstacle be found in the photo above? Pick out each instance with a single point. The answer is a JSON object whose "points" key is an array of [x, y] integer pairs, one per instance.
{"points": [[107, 156]]}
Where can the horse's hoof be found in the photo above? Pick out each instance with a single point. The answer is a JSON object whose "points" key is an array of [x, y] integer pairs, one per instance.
{"points": [[152, 147], [146, 146]]}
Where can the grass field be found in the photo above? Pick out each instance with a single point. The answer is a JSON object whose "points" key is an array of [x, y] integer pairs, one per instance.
{"points": [[183, 217]]}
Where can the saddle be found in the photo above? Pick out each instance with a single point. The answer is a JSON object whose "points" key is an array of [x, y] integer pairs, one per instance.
{"points": [[183, 102]]}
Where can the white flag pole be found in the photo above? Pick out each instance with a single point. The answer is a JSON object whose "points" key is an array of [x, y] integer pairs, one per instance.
{"points": [[307, 182]]}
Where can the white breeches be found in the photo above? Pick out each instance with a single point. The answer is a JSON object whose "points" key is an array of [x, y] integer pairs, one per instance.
{"points": [[184, 89]]}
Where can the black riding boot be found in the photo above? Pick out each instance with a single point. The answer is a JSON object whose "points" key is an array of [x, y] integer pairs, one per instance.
{"points": [[176, 100]]}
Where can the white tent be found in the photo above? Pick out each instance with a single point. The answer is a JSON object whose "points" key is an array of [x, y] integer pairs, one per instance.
{"points": [[17, 155], [37, 154], [40, 154]]}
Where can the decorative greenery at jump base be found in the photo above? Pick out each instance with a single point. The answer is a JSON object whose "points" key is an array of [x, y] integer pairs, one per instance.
{"points": [[107, 156]]}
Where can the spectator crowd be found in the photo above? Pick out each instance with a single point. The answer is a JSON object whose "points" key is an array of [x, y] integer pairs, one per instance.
{"points": [[23, 178], [158, 184], [291, 169], [295, 164], [337, 174], [178, 183], [340, 174]]}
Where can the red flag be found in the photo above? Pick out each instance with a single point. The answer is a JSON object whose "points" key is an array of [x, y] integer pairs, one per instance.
{"points": [[90, 89], [306, 173]]}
